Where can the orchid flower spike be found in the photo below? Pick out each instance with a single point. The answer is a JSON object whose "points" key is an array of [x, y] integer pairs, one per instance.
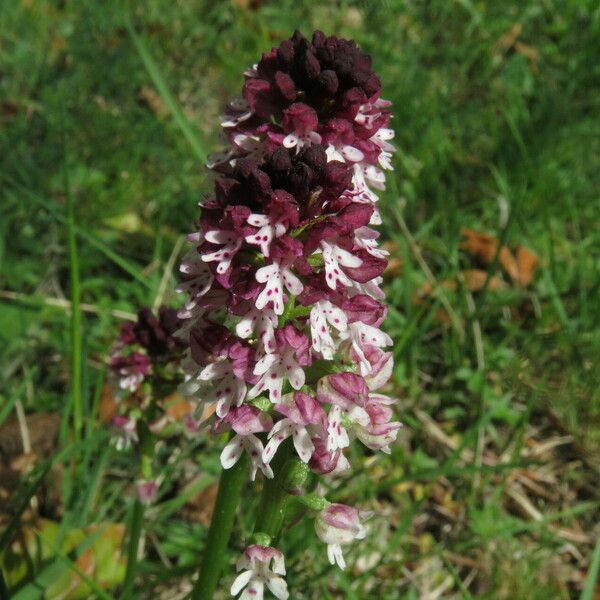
{"points": [[284, 307]]}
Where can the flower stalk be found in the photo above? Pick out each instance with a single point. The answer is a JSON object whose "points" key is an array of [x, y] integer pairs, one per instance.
{"points": [[145, 490], [230, 489], [291, 475]]}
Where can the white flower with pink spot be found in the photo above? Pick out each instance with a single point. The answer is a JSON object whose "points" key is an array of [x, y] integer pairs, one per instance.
{"points": [[273, 369], [276, 276], [284, 364], [299, 141], [231, 243], [323, 317], [245, 421], [266, 233], [303, 420], [262, 324], [262, 566], [227, 388], [198, 278], [360, 335], [366, 238], [339, 525], [334, 259]]}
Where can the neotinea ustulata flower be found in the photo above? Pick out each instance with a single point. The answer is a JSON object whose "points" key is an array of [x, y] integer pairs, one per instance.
{"points": [[284, 300]]}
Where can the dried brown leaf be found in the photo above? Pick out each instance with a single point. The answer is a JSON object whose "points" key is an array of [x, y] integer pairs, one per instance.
{"points": [[150, 97], [527, 263], [520, 268], [481, 245], [507, 40]]}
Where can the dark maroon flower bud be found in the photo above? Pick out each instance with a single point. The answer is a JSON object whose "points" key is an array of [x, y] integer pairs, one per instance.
{"points": [[355, 215], [318, 38], [363, 308], [372, 85], [348, 105], [286, 247], [286, 54], [209, 342], [283, 208], [299, 118], [169, 320], [268, 64], [227, 190], [279, 162], [315, 157], [286, 86], [327, 83], [235, 218], [307, 66], [155, 335], [372, 266], [127, 335]]}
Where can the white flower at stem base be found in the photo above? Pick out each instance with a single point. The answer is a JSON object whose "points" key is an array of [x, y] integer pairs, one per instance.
{"points": [[124, 433], [146, 490], [261, 565], [339, 525]]}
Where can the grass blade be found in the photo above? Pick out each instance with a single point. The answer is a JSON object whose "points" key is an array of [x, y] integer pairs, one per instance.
{"points": [[76, 314], [3, 589], [37, 476], [90, 238], [112, 255], [592, 576], [5, 410], [15, 521], [52, 571], [135, 532], [180, 119]]}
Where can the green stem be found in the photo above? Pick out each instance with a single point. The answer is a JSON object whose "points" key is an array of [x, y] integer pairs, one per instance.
{"points": [[230, 489], [135, 532], [76, 331], [4, 595], [146, 446], [290, 475]]}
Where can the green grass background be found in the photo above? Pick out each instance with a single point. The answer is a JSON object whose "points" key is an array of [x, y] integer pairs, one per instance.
{"points": [[108, 108]]}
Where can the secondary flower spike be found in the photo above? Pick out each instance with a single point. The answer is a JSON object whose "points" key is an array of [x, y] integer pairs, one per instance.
{"points": [[284, 308]]}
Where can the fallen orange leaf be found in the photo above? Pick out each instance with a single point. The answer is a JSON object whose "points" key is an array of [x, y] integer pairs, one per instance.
{"points": [[520, 269], [527, 263], [473, 279]]}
